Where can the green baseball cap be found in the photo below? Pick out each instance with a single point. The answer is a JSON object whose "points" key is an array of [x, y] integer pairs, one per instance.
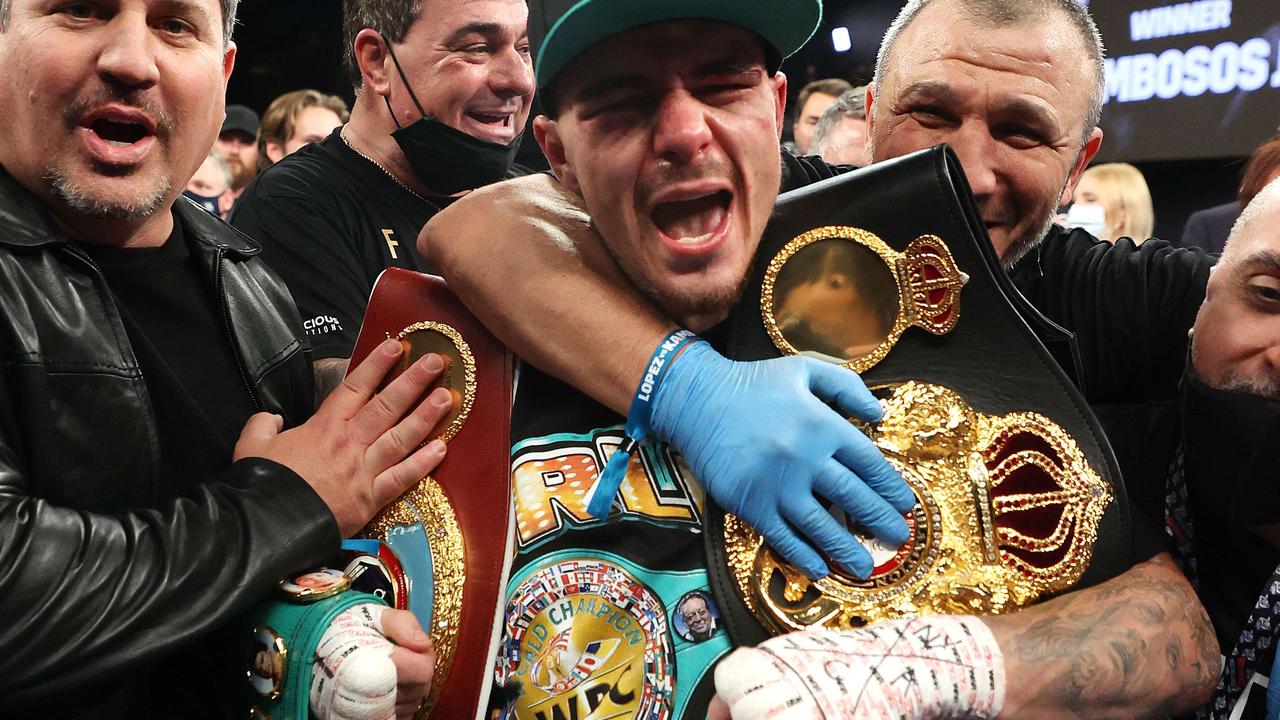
{"points": [[562, 29]]}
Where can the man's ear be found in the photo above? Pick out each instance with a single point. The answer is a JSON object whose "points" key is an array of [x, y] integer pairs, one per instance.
{"points": [[1087, 153], [372, 59], [274, 151], [547, 132], [871, 121], [228, 64], [779, 80], [870, 107]]}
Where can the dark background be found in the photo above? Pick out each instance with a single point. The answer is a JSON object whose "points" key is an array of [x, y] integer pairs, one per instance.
{"points": [[289, 44]]}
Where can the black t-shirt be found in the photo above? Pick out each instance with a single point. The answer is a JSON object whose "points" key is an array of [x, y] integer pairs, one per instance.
{"points": [[183, 347], [329, 222], [200, 398], [1130, 307]]}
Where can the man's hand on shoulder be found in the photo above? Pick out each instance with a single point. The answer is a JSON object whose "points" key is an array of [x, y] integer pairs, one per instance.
{"points": [[363, 448]]}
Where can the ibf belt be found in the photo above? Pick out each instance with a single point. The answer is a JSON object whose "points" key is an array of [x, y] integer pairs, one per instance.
{"points": [[445, 546], [888, 271]]}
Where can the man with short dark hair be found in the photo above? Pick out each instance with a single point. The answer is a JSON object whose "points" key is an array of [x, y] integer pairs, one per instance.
{"points": [[443, 91], [158, 470], [813, 101]]}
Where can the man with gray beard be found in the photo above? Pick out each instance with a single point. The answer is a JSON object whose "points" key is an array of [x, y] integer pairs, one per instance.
{"points": [[149, 367]]}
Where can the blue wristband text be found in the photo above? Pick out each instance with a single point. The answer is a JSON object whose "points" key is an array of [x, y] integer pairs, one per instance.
{"points": [[600, 499]]}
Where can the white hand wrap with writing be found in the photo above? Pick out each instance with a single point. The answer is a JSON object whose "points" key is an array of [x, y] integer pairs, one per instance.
{"points": [[920, 668], [353, 677]]}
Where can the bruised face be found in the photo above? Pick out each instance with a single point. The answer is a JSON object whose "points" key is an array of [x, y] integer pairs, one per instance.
{"points": [[670, 133], [1236, 341], [1010, 100], [469, 65], [111, 106]]}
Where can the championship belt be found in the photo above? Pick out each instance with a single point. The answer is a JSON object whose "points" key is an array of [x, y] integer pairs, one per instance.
{"points": [[446, 546], [888, 270]]}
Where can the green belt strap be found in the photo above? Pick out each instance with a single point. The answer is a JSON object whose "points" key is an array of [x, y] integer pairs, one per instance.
{"points": [[300, 626]]}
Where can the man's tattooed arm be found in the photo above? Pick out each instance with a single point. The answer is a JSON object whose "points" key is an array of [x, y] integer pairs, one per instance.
{"points": [[1138, 645], [329, 373]]}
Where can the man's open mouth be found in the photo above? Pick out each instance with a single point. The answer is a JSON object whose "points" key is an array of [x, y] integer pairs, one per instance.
{"points": [[695, 220], [117, 133], [503, 120]]}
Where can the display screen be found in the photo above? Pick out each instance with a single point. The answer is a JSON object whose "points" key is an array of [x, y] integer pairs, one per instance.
{"points": [[1189, 79]]}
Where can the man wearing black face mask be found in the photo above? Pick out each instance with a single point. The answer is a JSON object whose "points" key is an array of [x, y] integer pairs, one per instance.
{"points": [[442, 96], [1224, 495], [210, 186]]}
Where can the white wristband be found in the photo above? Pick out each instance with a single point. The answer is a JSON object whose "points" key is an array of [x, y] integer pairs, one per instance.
{"points": [[920, 668]]}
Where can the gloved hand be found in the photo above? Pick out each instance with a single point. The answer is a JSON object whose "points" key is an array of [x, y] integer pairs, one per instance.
{"points": [[762, 442]]}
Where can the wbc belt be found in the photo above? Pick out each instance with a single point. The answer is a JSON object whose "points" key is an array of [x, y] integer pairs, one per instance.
{"points": [[889, 271], [448, 541]]}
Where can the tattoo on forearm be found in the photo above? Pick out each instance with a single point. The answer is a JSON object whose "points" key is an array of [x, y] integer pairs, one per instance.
{"points": [[1098, 652], [328, 373]]}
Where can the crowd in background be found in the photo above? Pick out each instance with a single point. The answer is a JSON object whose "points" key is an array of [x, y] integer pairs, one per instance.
{"points": [[148, 342]]}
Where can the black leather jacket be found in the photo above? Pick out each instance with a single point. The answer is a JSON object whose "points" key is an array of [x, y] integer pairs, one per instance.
{"points": [[104, 575]]}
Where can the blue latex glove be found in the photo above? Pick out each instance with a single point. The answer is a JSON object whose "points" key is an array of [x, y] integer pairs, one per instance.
{"points": [[763, 443]]}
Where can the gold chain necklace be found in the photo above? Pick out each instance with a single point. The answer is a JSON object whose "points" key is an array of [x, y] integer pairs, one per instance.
{"points": [[343, 134]]}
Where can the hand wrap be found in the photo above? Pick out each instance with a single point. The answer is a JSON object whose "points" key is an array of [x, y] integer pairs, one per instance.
{"points": [[353, 677], [919, 669]]}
